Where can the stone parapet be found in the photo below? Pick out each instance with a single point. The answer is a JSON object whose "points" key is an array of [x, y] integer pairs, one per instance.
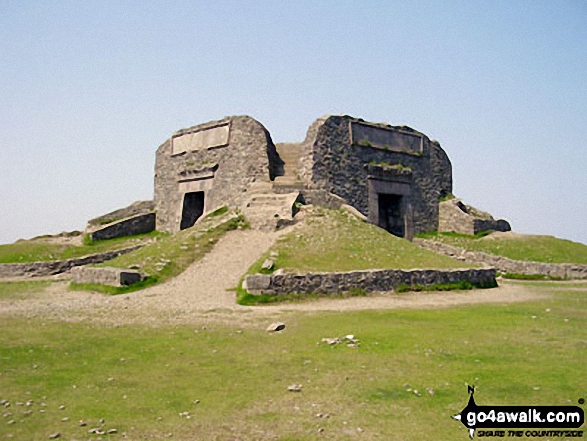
{"points": [[505, 265], [134, 209], [139, 224], [367, 280], [457, 217], [105, 276], [51, 267]]}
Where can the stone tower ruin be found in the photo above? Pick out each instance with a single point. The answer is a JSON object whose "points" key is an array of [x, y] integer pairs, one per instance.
{"points": [[394, 175]]}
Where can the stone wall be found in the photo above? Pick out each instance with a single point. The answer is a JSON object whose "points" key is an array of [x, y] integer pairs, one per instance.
{"points": [[219, 158], [333, 161], [51, 267], [139, 224], [455, 216], [505, 265], [105, 276], [134, 209], [369, 280]]}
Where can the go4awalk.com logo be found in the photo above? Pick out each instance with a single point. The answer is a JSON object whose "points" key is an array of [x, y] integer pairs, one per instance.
{"points": [[513, 421]]}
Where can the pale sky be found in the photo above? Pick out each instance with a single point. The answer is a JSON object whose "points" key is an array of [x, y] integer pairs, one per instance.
{"points": [[89, 90]]}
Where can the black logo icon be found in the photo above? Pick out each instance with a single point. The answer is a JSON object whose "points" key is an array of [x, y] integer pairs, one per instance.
{"points": [[518, 417]]}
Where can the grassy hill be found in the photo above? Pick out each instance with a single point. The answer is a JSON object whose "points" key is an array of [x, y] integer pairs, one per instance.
{"points": [[64, 247], [335, 240], [516, 246], [403, 382]]}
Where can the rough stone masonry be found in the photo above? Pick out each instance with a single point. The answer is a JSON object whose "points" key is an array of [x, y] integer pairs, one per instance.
{"points": [[394, 175]]}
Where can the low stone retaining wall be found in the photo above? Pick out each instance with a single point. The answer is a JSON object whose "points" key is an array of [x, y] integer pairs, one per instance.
{"points": [[51, 267], [139, 224], [368, 280], [505, 265], [105, 276]]}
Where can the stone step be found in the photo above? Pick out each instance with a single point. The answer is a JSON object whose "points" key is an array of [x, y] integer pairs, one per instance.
{"points": [[268, 211], [290, 155]]}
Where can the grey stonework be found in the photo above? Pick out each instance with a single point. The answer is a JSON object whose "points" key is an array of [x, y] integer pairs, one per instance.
{"points": [[505, 265], [369, 280], [219, 172], [359, 170], [455, 216], [105, 276], [139, 224], [51, 267], [394, 175], [134, 209]]}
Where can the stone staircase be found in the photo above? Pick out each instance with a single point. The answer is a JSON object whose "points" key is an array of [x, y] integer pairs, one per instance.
{"points": [[271, 205], [290, 155], [267, 210]]}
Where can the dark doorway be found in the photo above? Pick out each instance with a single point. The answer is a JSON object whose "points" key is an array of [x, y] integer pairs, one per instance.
{"points": [[390, 214], [193, 207]]}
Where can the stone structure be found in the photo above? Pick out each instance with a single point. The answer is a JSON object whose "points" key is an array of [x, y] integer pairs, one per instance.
{"points": [[137, 218], [394, 175], [368, 281], [105, 276], [505, 265], [457, 217], [204, 167]]}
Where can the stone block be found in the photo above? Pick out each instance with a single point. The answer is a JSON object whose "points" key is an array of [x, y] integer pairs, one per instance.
{"points": [[257, 283], [105, 276], [139, 224]]}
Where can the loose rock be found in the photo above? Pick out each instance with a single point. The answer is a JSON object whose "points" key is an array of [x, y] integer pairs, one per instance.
{"points": [[276, 327], [294, 388]]}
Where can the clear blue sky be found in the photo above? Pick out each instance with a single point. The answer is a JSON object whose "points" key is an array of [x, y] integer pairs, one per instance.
{"points": [[89, 89]]}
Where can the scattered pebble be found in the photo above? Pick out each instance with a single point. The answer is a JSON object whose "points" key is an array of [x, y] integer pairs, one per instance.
{"points": [[294, 388], [61, 407], [54, 435], [276, 327]]}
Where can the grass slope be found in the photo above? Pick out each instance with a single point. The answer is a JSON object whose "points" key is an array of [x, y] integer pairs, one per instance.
{"points": [[334, 240], [142, 380], [169, 255], [534, 248], [36, 250], [21, 290]]}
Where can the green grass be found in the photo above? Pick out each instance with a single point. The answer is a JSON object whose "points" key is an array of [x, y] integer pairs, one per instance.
{"points": [[246, 299], [140, 379], [115, 290], [463, 285], [334, 240], [21, 290], [167, 256], [534, 248], [516, 276], [36, 250]]}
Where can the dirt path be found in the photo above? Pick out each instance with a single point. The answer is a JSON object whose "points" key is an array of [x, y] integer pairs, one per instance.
{"points": [[203, 293]]}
